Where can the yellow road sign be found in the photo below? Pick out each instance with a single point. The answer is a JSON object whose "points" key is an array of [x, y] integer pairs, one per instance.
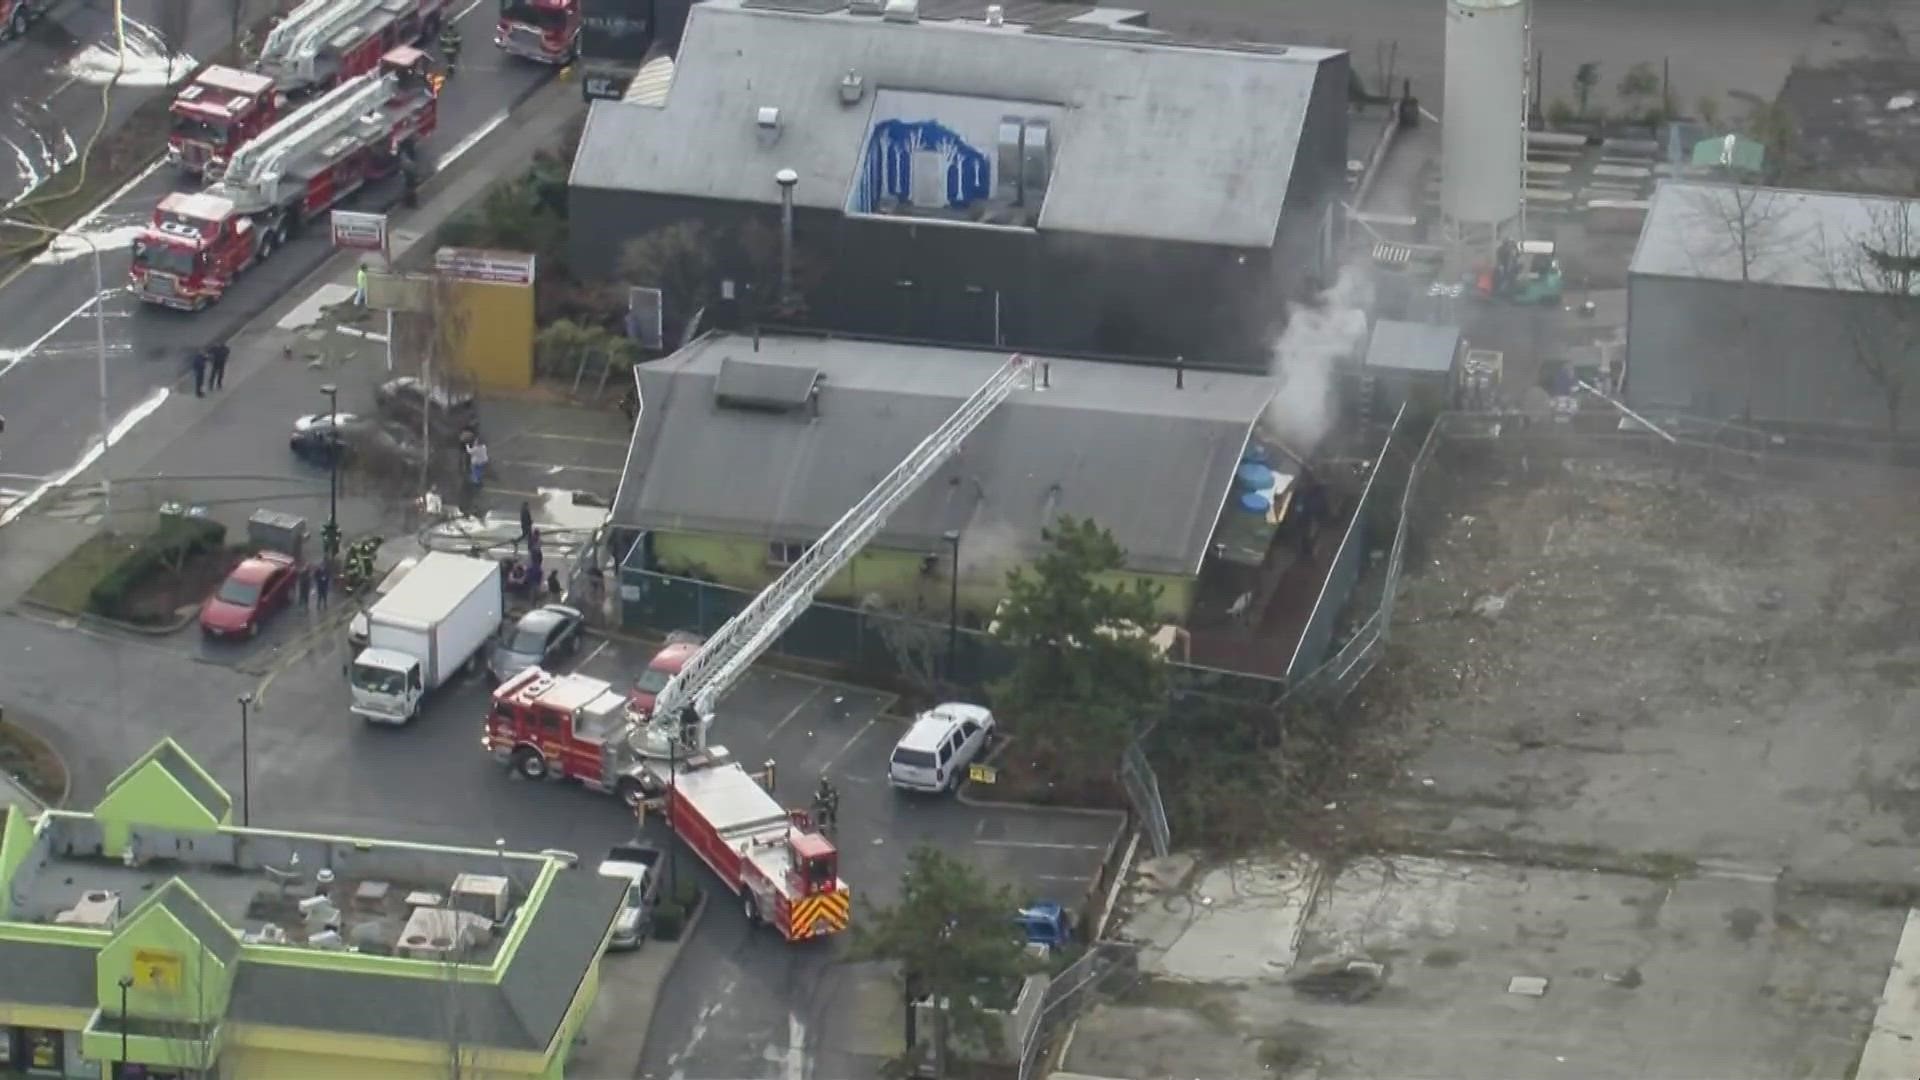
{"points": [[981, 774]]}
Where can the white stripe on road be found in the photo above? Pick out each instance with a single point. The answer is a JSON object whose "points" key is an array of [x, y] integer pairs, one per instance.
{"points": [[460, 148], [94, 453], [804, 702], [93, 215], [10, 357], [848, 745], [465, 11], [796, 1047], [597, 650], [1039, 845]]}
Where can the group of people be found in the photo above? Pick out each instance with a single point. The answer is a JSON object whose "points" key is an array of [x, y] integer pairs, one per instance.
{"points": [[209, 368], [315, 582]]}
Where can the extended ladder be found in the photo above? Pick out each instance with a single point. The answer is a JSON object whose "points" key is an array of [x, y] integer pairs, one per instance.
{"points": [[254, 173], [725, 657], [297, 39]]}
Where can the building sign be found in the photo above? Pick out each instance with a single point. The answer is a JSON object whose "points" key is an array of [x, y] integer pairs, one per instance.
{"points": [[616, 29], [359, 232], [604, 86], [490, 267], [156, 969], [982, 774]]}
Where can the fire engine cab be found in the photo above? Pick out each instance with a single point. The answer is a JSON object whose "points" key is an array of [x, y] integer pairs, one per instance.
{"points": [[217, 112], [544, 31], [574, 727]]}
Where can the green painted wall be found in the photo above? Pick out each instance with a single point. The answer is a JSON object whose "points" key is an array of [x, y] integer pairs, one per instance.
{"points": [[204, 983], [146, 794], [741, 562], [16, 843]]}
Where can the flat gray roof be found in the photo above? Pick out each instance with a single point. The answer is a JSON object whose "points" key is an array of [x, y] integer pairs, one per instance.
{"points": [[1772, 236], [1114, 442], [1160, 138], [1412, 346]]}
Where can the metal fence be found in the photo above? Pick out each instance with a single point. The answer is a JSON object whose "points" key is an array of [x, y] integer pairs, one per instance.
{"points": [[1143, 791], [1108, 969]]}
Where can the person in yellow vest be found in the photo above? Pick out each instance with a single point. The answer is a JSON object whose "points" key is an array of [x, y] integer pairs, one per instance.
{"points": [[360, 286]]}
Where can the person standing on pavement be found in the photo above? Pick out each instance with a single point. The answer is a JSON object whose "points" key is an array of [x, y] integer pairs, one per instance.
{"points": [[217, 354], [306, 585], [199, 363], [526, 520], [477, 460], [360, 286], [322, 581]]}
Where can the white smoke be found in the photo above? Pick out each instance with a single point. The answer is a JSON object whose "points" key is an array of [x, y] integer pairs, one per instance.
{"points": [[1319, 335]]}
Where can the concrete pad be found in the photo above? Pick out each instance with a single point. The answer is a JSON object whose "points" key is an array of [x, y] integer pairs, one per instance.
{"points": [[308, 311], [1637, 172], [1893, 1045], [1548, 168], [1238, 923]]}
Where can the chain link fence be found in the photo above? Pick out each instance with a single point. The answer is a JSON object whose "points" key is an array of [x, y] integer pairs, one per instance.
{"points": [[1143, 791], [1107, 970]]}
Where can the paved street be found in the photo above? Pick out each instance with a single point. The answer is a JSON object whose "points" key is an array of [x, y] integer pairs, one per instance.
{"points": [[47, 331]]}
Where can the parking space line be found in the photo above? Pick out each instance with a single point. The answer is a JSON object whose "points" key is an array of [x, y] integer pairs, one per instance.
{"points": [[553, 467], [848, 745], [1062, 877], [795, 711], [590, 657], [1040, 845], [570, 438]]}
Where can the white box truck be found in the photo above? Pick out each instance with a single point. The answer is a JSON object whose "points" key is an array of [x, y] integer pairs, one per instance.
{"points": [[437, 619]]}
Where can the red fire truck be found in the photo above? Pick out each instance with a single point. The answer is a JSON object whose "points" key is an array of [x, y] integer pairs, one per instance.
{"points": [[574, 727], [323, 43], [17, 15], [544, 31], [216, 113], [311, 159]]}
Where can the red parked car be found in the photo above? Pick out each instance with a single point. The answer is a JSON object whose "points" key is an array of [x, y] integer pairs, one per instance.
{"points": [[664, 666], [253, 591]]}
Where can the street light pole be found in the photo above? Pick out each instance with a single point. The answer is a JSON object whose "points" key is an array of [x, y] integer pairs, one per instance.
{"points": [[246, 766], [330, 541], [953, 605], [100, 339], [126, 982]]}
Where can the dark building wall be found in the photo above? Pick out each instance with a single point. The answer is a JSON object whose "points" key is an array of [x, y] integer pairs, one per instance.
{"points": [[1706, 347]]}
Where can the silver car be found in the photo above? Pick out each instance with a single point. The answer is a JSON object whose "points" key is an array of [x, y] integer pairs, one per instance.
{"points": [[541, 636]]}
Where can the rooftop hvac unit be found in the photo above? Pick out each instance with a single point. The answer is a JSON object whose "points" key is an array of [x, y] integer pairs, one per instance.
{"points": [[1006, 164], [97, 909], [270, 934], [768, 118], [852, 88], [436, 933], [485, 895], [996, 15], [902, 11], [1036, 159]]}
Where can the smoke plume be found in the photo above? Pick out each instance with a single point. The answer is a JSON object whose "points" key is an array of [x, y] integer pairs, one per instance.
{"points": [[1319, 335]]}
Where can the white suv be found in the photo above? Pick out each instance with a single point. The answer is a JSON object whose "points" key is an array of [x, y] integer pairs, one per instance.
{"points": [[934, 754]]}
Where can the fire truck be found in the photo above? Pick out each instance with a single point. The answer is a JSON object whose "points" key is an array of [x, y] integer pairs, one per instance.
{"points": [[323, 43], [574, 727], [216, 113], [364, 129], [544, 31], [17, 15]]}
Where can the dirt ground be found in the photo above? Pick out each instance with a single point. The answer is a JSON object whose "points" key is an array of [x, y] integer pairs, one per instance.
{"points": [[1660, 667]]}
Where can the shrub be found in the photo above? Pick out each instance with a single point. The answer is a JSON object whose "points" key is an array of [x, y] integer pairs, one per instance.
{"points": [[668, 921], [558, 349], [175, 540]]}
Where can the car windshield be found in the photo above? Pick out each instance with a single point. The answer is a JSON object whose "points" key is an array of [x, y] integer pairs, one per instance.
{"points": [[919, 759], [528, 640], [165, 258], [377, 680], [239, 593], [652, 681], [192, 127]]}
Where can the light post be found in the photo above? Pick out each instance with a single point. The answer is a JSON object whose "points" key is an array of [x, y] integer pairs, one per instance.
{"points": [[100, 339], [952, 537], [330, 536], [126, 983], [246, 766], [786, 178]]}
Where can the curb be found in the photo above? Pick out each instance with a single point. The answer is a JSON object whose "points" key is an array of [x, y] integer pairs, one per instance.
{"points": [[66, 773], [83, 618]]}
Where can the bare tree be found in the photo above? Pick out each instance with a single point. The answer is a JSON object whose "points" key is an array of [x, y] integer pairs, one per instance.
{"points": [[459, 1027], [1882, 265], [918, 648], [441, 362], [1742, 237], [194, 1039]]}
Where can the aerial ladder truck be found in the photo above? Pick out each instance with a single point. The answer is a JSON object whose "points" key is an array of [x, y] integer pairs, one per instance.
{"points": [[363, 130], [321, 43], [575, 727]]}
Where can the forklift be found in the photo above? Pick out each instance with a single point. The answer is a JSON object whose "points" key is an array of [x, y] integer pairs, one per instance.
{"points": [[1524, 272]]}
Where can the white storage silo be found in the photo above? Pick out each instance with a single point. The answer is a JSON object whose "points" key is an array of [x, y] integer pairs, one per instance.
{"points": [[1482, 132]]}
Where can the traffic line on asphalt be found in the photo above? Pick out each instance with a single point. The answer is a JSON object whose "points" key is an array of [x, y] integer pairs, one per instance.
{"points": [[796, 1047], [94, 453], [592, 656], [460, 148], [848, 745], [10, 357], [465, 11], [795, 711], [1038, 845]]}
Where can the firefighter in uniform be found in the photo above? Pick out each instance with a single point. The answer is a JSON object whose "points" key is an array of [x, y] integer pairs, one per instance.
{"points": [[450, 46], [826, 805]]}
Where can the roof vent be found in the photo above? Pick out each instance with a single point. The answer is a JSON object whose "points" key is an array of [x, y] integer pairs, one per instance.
{"points": [[996, 15], [769, 118], [902, 11], [864, 7], [852, 88]]}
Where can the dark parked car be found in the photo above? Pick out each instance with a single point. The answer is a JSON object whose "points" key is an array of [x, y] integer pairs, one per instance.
{"points": [[404, 400], [541, 636], [319, 437]]}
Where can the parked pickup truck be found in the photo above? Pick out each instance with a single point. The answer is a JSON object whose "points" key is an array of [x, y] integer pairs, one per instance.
{"points": [[639, 866], [421, 634]]}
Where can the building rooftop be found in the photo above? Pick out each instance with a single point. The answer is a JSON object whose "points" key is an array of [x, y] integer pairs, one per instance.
{"points": [[1145, 135], [1412, 347], [1856, 124], [1773, 236], [1119, 443]]}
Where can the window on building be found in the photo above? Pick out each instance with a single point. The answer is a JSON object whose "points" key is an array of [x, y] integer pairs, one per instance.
{"points": [[785, 552], [40, 1052]]}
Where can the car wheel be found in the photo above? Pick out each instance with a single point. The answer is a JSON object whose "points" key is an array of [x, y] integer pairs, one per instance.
{"points": [[529, 764], [18, 27], [630, 791], [750, 908]]}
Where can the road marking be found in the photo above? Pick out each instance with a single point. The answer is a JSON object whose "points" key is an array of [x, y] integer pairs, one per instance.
{"points": [[465, 11], [1069, 878], [796, 1047], [848, 745], [621, 443], [460, 148], [699, 1031], [370, 335], [10, 357], [795, 711], [94, 453], [553, 469], [1041, 846], [590, 657]]}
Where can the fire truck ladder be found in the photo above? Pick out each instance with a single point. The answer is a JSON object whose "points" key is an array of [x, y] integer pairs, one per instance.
{"points": [[297, 39], [725, 657], [256, 167]]}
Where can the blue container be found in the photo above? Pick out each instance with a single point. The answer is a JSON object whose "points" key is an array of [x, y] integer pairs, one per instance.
{"points": [[1256, 454], [1255, 476], [1255, 502]]}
